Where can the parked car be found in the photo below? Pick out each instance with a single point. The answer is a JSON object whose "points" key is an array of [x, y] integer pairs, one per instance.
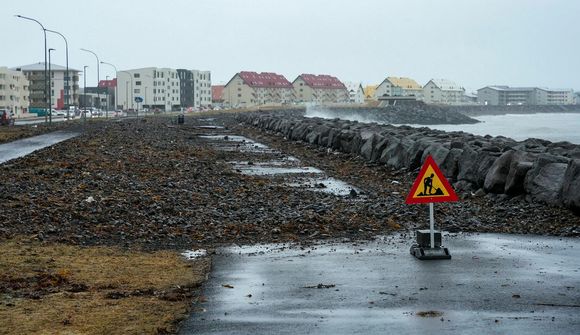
{"points": [[6, 118]]}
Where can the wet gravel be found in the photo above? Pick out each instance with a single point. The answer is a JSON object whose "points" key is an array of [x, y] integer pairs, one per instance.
{"points": [[152, 184]]}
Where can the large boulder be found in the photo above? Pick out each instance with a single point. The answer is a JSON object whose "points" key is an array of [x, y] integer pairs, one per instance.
{"points": [[346, 140], [437, 151], [356, 144], [571, 186], [366, 151], [299, 132], [514, 182], [396, 154], [382, 143], [333, 139], [497, 174], [473, 165], [450, 165], [544, 180], [521, 163]]}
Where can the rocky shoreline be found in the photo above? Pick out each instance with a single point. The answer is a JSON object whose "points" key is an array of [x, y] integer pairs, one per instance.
{"points": [[533, 169]]}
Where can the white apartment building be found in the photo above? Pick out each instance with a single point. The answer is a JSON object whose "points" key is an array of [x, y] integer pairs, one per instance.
{"points": [[443, 91], [61, 95], [14, 94], [157, 87], [399, 87], [505, 95], [355, 92], [201, 88], [553, 96]]}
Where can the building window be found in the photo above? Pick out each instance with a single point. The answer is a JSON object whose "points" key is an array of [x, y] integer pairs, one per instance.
{"points": [[137, 83], [239, 95], [136, 75], [137, 90]]}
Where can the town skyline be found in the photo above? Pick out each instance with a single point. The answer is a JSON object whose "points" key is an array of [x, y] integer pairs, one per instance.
{"points": [[473, 43]]}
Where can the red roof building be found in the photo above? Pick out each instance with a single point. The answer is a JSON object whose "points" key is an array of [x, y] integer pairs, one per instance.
{"points": [[217, 93], [108, 83], [320, 89], [322, 81], [247, 89], [264, 79]]}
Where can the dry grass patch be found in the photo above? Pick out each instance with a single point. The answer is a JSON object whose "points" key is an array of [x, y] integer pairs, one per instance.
{"points": [[61, 289]]}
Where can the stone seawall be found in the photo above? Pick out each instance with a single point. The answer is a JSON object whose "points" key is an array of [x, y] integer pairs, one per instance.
{"points": [[536, 169], [407, 114]]}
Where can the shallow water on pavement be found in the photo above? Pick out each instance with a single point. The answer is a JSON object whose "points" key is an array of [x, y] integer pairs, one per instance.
{"points": [[306, 177], [23, 147], [501, 284]]}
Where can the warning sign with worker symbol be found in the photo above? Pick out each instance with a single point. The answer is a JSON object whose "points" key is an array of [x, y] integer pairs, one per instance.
{"points": [[430, 186]]}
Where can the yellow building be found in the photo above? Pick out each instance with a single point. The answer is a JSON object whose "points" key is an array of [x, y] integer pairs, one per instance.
{"points": [[399, 86], [370, 92]]}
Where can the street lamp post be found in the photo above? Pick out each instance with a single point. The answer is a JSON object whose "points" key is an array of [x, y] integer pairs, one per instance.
{"points": [[45, 65], [50, 87], [98, 78], [116, 84], [67, 78], [132, 91], [84, 94]]}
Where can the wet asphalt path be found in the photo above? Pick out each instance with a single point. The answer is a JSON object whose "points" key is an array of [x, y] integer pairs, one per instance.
{"points": [[494, 284], [25, 146]]}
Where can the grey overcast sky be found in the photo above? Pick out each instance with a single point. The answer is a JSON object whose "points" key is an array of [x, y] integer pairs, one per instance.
{"points": [[472, 42]]}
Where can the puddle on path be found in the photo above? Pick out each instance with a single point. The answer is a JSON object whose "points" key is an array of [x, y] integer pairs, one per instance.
{"points": [[327, 185], [288, 167], [253, 170], [193, 254], [210, 127], [234, 138]]}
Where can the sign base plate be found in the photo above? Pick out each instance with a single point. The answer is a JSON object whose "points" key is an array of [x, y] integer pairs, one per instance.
{"points": [[425, 253]]}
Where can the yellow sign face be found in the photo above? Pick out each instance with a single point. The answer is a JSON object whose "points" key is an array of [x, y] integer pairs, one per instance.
{"points": [[431, 186]]}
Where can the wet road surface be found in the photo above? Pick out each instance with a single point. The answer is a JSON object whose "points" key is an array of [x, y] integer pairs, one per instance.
{"points": [[495, 284], [25, 146]]}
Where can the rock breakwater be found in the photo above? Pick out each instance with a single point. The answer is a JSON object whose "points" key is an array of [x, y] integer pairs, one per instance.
{"points": [[534, 169], [404, 114]]}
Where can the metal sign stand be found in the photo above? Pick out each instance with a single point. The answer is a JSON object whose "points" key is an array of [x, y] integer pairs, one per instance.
{"points": [[431, 225], [430, 247]]}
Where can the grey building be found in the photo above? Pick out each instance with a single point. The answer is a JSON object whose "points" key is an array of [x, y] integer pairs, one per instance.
{"points": [[62, 95], [100, 98], [505, 95], [500, 95], [186, 88], [195, 88]]}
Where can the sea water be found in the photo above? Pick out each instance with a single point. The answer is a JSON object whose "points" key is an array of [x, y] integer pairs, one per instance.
{"points": [[553, 127]]}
